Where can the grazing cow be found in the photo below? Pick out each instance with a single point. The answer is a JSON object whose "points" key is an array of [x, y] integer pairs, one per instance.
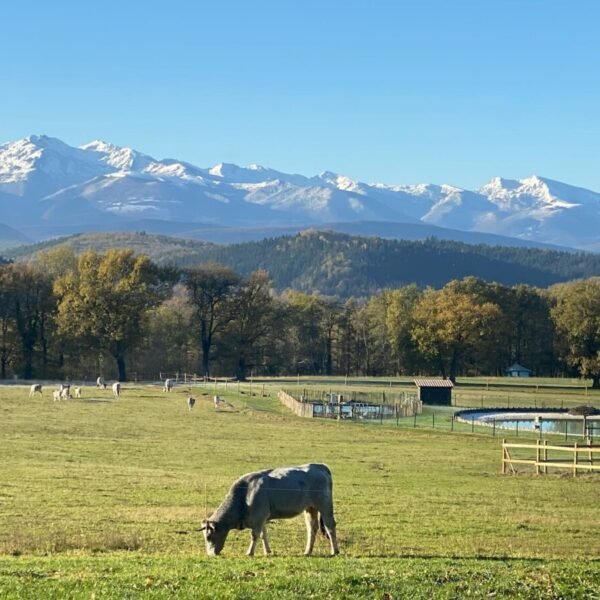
{"points": [[116, 389], [282, 493], [65, 392], [56, 395], [77, 392], [191, 402], [168, 385], [217, 401], [35, 388], [100, 383]]}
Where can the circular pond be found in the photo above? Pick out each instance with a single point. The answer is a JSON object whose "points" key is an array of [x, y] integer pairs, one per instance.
{"points": [[557, 421]]}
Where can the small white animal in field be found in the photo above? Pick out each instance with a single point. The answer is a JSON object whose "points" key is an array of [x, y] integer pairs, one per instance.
{"points": [[77, 392], [116, 389], [168, 385], [56, 394], [191, 402], [217, 401], [36, 387], [100, 383], [65, 393]]}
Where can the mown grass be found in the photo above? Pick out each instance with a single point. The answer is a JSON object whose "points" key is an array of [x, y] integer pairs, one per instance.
{"points": [[94, 495]]}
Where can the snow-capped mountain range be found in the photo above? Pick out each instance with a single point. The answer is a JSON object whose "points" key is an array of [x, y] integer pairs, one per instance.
{"points": [[46, 185]]}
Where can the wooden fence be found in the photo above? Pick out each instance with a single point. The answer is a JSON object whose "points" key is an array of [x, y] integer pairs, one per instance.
{"points": [[405, 405], [302, 409], [551, 456]]}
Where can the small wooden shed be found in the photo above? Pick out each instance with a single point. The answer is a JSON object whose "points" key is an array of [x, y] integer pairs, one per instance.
{"points": [[435, 391], [517, 370]]}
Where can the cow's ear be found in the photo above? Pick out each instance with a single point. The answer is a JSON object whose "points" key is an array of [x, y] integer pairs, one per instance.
{"points": [[208, 525]]}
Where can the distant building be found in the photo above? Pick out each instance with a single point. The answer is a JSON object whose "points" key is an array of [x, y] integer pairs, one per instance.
{"points": [[435, 391], [517, 370]]}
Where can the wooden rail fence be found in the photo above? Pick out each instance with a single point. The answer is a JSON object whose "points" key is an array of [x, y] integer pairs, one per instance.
{"points": [[581, 459], [302, 409]]}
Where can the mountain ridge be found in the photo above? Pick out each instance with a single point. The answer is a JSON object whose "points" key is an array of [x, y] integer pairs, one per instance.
{"points": [[343, 265], [103, 183]]}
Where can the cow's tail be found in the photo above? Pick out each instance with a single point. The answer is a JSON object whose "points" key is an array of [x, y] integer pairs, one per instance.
{"points": [[322, 525]]}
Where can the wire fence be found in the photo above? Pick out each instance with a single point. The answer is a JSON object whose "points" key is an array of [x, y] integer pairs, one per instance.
{"points": [[352, 405]]}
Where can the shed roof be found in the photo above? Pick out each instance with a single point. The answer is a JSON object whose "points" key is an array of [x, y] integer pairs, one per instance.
{"points": [[518, 367], [435, 383]]}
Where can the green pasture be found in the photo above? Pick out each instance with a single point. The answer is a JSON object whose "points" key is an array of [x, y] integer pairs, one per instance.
{"points": [[99, 498]]}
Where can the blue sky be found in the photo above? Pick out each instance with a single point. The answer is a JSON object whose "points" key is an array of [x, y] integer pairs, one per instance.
{"points": [[445, 91]]}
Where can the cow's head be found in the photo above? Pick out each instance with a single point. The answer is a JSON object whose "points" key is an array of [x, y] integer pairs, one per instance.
{"points": [[215, 535]]}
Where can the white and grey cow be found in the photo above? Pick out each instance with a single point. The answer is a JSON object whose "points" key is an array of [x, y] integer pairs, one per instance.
{"points": [[256, 498], [191, 402], [35, 388], [100, 383], [168, 385], [116, 389]]}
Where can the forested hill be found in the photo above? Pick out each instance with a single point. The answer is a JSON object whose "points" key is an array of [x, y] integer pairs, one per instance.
{"points": [[342, 265]]}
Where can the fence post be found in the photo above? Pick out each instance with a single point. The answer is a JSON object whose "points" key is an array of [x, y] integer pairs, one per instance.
{"points": [[575, 460], [415, 421], [494, 428], [503, 457], [517, 428], [537, 457], [432, 420], [452, 423]]}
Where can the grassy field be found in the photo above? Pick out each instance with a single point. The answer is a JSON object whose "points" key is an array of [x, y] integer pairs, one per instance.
{"points": [[95, 493]]}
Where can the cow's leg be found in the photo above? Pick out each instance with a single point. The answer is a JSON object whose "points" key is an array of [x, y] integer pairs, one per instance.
{"points": [[329, 523], [265, 541], [255, 535], [312, 524]]}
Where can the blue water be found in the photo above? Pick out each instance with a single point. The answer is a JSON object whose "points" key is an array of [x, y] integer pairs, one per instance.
{"points": [[548, 425]]}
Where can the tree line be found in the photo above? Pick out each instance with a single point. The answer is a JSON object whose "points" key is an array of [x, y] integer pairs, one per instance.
{"points": [[123, 316]]}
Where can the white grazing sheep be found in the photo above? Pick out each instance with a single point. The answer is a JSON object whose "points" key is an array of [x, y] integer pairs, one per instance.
{"points": [[56, 395], [65, 392], [217, 401], [36, 387], [168, 385], [77, 392], [116, 389], [100, 383], [191, 401]]}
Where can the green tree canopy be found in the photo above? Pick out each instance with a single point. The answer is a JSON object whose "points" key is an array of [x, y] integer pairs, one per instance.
{"points": [[576, 314], [104, 301]]}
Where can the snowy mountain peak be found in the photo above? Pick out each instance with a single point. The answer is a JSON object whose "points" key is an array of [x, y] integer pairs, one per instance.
{"points": [[225, 170], [341, 182], [100, 180], [122, 159]]}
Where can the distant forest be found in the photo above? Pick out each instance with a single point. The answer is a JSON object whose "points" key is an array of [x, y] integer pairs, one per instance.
{"points": [[343, 266], [121, 315]]}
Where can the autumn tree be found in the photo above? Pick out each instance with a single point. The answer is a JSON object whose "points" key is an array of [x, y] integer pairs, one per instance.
{"points": [[576, 314], [105, 299], [8, 340], [399, 305], [452, 327], [253, 309], [212, 288]]}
